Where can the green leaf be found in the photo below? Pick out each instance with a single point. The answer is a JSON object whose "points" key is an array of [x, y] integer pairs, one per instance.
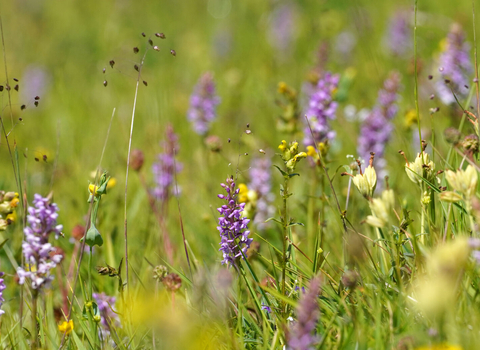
{"points": [[295, 224], [280, 170], [292, 175]]}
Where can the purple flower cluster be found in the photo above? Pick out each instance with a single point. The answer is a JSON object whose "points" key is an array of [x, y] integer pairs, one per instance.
{"points": [[399, 37], [455, 66], [2, 288], [165, 168], [203, 104], [39, 254], [109, 318], [232, 226], [302, 333], [321, 108], [377, 127], [260, 182]]}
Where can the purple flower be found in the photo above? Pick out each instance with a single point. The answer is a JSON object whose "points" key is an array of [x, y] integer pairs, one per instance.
{"points": [[165, 168], [109, 318], [2, 288], [377, 127], [260, 182], [321, 108], [281, 28], [455, 66], [267, 308], [232, 226], [39, 254], [399, 37], [302, 333], [203, 104]]}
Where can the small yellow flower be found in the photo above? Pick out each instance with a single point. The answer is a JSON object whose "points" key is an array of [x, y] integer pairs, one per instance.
{"points": [[283, 146], [66, 327], [311, 151], [111, 183], [242, 193]]}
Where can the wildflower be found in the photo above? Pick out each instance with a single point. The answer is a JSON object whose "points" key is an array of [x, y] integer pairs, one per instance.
{"points": [[381, 208], [281, 29], [8, 203], [2, 288], [249, 197], [42, 221], [172, 282], [301, 336], [108, 317], [290, 154], [287, 121], [365, 182], [321, 109], [159, 272], [455, 66], [377, 127], [166, 167], [203, 103], [260, 183], [421, 168], [267, 308], [463, 181], [399, 38], [66, 327], [232, 226]]}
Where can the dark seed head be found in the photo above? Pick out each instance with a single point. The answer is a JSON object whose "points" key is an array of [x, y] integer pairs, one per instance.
{"points": [[36, 159], [1, 88], [466, 86], [22, 107], [160, 35], [136, 67], [20, 119], [112, 63], [103, 70], [37, 98], [105, 83], [36, 103], [7, 87], [145, 83], [248, 125], [143, 34], [15, 79], [447, 81], [16, 87], [173, 52], [430, 77], [150, 41], [44, 157], [135, 50]]}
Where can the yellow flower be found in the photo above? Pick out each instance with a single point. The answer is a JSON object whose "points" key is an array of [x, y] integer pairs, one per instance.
{"points": [[66, 327], [242, 193], [111, 183], [283, 146]]}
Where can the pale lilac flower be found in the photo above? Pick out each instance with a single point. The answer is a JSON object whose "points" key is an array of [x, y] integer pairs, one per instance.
{"points": [[321, 108], [261, 183], [39, 254], [35, 82], [455, 66], [166, 166], [400, 34], [377, 127], [232, 226], [281, 27], [109, 318], [203, 104], [2, 288], [302, 332]]}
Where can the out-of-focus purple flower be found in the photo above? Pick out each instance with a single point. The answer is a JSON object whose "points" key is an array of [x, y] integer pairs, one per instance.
{"points": [[344, 44], [260, 182], [302, 332], [109, 318], [35, 82], [203, 104], [399, 36], [2, 288], [166, 166], [281, 27], [321, 108], [39, 254], [232, 226], [455, 66], [267, 308], [377, 127]]}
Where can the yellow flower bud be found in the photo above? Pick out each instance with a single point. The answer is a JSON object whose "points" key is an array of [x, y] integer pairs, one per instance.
{"points": [[463, 181], [449, 196], [283, 146], [366, 182]]}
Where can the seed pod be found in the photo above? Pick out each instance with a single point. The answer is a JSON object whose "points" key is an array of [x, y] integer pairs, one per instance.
{"points": [[105, 83], [135, 50], [112, 63], [173, 52]]}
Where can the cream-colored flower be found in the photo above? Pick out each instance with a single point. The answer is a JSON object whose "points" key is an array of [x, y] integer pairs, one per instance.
{"points": [[463, 181], [366, 182]]}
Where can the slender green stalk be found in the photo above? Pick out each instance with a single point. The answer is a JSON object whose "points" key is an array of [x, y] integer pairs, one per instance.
{"points": [[285, 221], [34, 318]]}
